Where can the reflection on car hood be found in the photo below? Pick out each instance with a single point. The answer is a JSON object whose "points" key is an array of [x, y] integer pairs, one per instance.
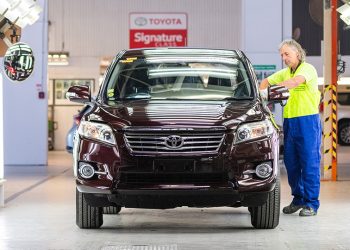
{"points": [[179, 113]]}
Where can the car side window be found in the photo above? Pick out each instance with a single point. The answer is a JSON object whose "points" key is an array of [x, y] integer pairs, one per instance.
{"points": [[243, 88]]}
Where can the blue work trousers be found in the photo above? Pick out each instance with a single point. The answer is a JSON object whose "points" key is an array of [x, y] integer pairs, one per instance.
{"points": [[302, 156]]}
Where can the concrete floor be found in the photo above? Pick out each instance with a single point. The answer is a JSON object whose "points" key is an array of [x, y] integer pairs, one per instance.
{"points": [[40, 214]]}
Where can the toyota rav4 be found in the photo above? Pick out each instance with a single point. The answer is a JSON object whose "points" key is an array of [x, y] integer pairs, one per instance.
{"points": [[175, 127]]}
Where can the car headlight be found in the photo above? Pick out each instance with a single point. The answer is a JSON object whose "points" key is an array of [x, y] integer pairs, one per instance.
{"points": [[254, 130], [96, 131]]}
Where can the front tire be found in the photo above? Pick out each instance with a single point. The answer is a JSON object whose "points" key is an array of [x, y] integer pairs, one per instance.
{"points": [[86, 215], [267, 215]]}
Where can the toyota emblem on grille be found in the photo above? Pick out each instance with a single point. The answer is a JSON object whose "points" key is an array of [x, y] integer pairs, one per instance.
{"points": [[174, 141]]}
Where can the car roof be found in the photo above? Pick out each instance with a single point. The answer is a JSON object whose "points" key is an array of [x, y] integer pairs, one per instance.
{"points": [[196, 52]]}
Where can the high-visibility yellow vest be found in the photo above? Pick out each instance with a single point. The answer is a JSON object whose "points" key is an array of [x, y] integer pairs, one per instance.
{"points": [[304, 99]]}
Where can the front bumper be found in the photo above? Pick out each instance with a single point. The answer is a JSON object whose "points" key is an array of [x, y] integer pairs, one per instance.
{"points": [[164, 199], [231, 169]]}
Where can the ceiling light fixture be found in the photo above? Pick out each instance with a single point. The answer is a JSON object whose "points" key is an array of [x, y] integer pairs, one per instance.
{"points": [[20, 12], [344, 11], [58, 58]]}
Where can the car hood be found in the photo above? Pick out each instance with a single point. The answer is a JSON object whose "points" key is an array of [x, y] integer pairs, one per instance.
{"points": [[178, 113]]}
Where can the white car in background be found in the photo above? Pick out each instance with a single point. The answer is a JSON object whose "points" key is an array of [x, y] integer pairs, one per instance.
{"points": [[343, 115]]}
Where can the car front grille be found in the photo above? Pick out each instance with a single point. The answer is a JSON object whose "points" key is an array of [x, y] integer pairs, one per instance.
{"points": [[174, 140]]}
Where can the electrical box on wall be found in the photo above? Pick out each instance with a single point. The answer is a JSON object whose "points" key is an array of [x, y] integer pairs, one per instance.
{"points": [[41, 95]]}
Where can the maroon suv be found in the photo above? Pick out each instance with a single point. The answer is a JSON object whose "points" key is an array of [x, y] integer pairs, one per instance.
{"points": [[175, 127]]}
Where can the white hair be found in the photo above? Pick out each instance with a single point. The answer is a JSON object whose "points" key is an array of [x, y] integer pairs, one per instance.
{"points": [[296, 47]]}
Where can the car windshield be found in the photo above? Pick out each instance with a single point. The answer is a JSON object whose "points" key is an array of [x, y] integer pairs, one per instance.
{"points": [[179, 77]]}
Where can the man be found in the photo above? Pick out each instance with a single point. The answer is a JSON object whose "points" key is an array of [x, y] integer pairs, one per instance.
{"points": [[301, 126]]}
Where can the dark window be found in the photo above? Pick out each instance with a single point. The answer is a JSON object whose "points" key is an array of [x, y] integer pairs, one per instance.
{"points": [[308, 27], [344, 98]]}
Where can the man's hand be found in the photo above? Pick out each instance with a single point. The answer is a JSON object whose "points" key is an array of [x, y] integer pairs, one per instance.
{"points": [[264, 94]]}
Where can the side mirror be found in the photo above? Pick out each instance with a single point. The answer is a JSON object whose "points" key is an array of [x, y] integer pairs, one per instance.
{"points": [[79, 94], [277, 93], [18, 62]]}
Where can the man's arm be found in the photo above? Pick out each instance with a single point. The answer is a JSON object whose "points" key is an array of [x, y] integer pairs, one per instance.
{"points": [[293, 82], [289, 84], [264, 84]]}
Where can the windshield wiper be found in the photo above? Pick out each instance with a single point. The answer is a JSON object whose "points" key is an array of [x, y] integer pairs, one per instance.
{"points": [[128, 99], [138, 96], [232, 98]]}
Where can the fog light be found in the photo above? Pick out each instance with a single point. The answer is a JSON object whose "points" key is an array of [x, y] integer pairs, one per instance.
{"points": [[263, 170], [86, 171]]}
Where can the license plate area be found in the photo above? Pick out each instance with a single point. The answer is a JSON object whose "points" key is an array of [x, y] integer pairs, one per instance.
{"points": [[174, 165]]}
